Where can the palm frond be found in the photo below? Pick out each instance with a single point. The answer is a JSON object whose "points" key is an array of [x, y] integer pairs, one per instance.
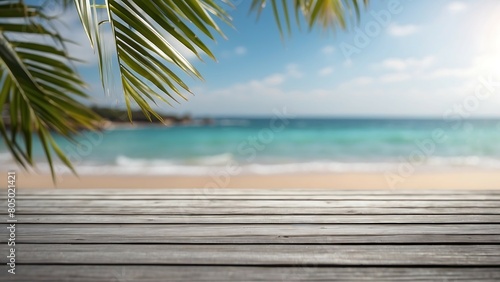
{"points": [[143, 32], [39, 85], [328, 14]]}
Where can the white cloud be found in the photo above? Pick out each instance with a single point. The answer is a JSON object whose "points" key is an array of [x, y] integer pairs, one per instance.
{"points": [[395, 64], [235, 52], [362, 80], [390, 92], [347, 63], [452, 72], [394, 77], [456, 7], [398, 64], [270, 83], [358, 81], [481, 65], [325, 71], [293, 71], [267, 88], [274, 79], [240, 50], [402, 30], [327, 50]]}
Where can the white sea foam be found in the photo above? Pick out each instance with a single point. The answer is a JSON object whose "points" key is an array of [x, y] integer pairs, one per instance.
{"points": [[123, 161], [221, 159], [466, 161], [212, 165], [142, 170], [7, 162], [269, 169], [5, 157]]}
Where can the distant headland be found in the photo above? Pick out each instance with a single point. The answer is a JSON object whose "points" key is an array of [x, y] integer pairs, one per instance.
{"points": [[113, 117]]}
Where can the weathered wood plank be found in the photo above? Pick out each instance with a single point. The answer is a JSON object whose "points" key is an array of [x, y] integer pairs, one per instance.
{"points": [[389, 197], [256, 233], [382, 255], [250, 219], [129, 273], [298, 210], [224, 191], [255, 203], [263, 239]]}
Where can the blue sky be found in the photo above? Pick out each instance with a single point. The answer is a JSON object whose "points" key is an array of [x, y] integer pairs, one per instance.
{"points": [[425, 59]]}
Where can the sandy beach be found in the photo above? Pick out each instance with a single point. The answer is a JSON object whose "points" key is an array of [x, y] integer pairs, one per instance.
{"points": [[434, 180]]}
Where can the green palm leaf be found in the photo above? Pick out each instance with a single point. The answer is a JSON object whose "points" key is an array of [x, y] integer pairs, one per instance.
{"points": [[39, 85], [328, 14], [148, 62], [143, 30]]}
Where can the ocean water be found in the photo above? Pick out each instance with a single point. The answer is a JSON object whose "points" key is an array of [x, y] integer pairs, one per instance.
{"points": [[277, 146]]}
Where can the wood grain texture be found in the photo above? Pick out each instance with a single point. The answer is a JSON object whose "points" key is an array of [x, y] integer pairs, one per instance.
{"points": [[257, 233], [222, 197], [228, 210], [208, 204], [254, 235], [292, 255], [224, 191], [262, 219], [133, 273]]}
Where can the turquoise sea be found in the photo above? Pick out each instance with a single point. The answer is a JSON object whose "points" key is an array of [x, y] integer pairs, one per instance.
{"points": [[275, 146]]}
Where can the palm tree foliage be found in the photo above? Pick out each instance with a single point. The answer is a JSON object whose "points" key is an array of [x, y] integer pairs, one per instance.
{"points": [[328, 14], [141, 30], [40, 86]]}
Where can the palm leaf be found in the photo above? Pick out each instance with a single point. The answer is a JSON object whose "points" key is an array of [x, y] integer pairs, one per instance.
{"points": [[328, 14], [143, 31], [39, 85]]}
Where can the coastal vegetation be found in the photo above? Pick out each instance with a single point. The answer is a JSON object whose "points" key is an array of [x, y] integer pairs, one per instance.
{"points": [[122, 116]]}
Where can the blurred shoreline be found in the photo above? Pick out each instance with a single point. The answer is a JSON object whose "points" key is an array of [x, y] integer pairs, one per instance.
{"points": [[271, 146], [344, 181]]}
